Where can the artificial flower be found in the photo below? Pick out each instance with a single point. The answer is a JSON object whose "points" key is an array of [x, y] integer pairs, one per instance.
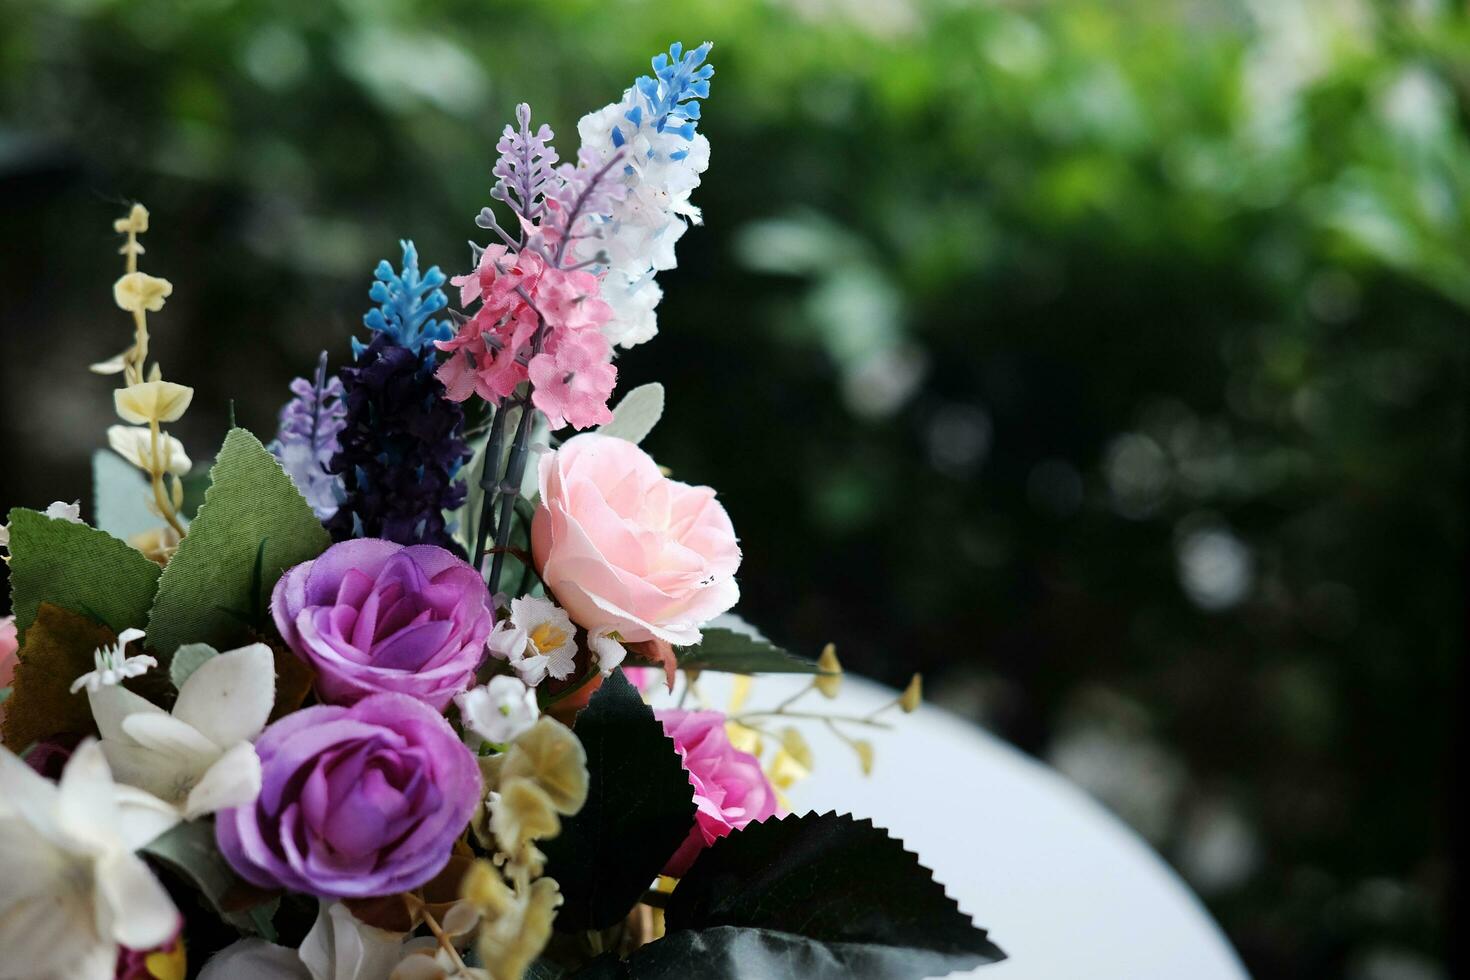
{"points": [[400, 451], [61, 511], [604, 644], [498, 711], [572, 385], [135, 445], [138, 291], [9, 650], [74, 890], [113, 665], [730, 790], [198, 758], [168, 961], [356, 802], [373, 616], [152, 401], [537, 639], [624, 548], [307, 439]]}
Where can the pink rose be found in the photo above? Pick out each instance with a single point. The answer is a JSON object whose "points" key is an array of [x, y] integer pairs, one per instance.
{"points": [[730, 789], [625, 549], [8, 659]]}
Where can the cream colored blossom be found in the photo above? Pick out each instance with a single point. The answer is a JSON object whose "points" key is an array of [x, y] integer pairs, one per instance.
{"points": [[553, 758], [152, 401], [138, 291], [136, 446]]}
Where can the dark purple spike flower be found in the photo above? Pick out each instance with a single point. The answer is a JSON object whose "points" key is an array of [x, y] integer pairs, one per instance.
{"points": [[401, 450]]}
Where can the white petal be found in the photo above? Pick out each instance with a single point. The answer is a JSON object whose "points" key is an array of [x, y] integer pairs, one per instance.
{"points": [[339, 947], [29, 865], [25, 792], [232, 781], [254, 959], [143, 916], [142, 817], [111, 704], [229, 697], [153, 772], [86, 808], [170, 736]]}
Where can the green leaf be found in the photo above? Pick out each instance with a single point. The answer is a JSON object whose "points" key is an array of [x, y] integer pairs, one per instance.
{"points": [[637, 413], [639, 809], [79, 568], [815, 896], [737, 648], [190, 850], [120, 495], [252, 526], [187, 659]]}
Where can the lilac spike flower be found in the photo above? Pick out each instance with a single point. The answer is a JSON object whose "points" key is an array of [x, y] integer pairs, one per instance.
{"points": [[588, 190], [526, 166], [310, 426]]}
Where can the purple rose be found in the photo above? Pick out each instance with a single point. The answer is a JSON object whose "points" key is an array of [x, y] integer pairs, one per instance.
{"points": [[355, 802], [375, 616]]}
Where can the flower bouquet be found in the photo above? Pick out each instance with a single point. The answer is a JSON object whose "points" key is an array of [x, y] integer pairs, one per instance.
{"points": [[373, 700]]}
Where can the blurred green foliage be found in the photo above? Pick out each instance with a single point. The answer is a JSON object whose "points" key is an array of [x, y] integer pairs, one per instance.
{"points": [[1105, 361]]}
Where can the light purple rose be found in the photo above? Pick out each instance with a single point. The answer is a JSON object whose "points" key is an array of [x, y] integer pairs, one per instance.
{"points": [[375, 616], [730, 789], [355, 802]]}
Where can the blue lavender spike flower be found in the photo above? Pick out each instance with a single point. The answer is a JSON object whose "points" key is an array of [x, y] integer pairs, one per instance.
{"points": [[407, 302], [402, 447], [678, 79], [308, 438]]}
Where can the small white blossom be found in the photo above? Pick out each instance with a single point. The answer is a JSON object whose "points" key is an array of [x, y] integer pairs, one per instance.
{"points": [[606, 648], [500, 710], [538, 639], [198, 759], [58, 511], [113, 664]]}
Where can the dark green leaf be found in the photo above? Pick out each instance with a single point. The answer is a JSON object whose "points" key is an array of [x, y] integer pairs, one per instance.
{"points": [[639, 809], [818, 896], [76, 567], [190, 850], [738, 652], [252, 526]]}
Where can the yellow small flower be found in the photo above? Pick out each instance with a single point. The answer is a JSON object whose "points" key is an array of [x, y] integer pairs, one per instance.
{"points": [[829, 681], [864, 750], [552, 758], [152, 401], [743, 738], [522, 814], [484, 888], [912, 695], [138, 291], [136, 221]]}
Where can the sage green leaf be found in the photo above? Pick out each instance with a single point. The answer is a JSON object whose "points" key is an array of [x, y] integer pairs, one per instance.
{"points": [[187, 659], [252, 526], [120, 495], [737, 648], [636, 414], [76, 567]]}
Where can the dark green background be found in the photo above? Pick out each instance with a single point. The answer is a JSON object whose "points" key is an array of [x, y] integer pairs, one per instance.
{"points": [[1104, 361]]}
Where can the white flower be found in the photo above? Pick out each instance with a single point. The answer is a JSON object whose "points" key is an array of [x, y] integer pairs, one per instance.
{"points": [[71, 513], [199, 758], [339, 947], [113, 664], [135, 444], [500, 710], [73, 890], [606, 648], [538, 639]]}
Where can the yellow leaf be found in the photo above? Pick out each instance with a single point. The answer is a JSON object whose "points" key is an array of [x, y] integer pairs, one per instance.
{"points": [[743, 738], [864, 750], [912, 695], [793, 743], [739, 691]]}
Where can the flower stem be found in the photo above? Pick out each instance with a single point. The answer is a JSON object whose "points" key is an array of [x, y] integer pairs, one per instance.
{"points": [[155, 471], [582, 682], [488, 483], [515, 468], [812, 716]]}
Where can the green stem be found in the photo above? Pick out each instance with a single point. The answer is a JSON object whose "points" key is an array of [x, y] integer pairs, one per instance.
{"points": [[510, 490], [487, 485]]}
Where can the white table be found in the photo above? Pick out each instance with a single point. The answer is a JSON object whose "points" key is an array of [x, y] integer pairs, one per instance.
{"points": [[1065, 888]]}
